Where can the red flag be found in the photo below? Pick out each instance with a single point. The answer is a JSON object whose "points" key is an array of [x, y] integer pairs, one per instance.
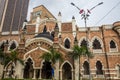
{"points": [[81, 11]]}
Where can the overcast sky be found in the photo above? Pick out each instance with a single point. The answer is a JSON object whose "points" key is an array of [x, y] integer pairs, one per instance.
{"points": [[67, 10]]}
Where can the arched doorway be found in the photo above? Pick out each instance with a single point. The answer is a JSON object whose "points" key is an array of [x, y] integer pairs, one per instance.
{"points": [[28, 70], [99, 70], [66, 72], [46, 70], [86, 68]]}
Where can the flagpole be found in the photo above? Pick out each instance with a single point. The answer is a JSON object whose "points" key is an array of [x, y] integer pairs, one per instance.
{"points": [[85, 16]]}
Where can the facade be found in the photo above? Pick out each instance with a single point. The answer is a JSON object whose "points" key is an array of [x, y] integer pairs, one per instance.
{"points": [[41, 33], [13, 14]]}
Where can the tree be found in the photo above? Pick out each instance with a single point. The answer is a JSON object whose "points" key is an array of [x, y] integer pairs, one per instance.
{"points": [[11, 57], [76, 54], [80, 51], [4, 60], [52, 56]]}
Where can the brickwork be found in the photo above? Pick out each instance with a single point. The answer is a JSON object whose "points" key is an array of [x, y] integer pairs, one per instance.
{"points": [[34, 47]]}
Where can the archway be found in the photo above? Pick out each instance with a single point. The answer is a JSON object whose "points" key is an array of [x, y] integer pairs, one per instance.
{"points": [[46, 70], [28, 70], [99, 70], [86, 68], [66, 72]]}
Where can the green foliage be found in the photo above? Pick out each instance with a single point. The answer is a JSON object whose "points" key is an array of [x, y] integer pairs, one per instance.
{"points": [[14, 57], [86, 52], [52, 56], [77, 52]]}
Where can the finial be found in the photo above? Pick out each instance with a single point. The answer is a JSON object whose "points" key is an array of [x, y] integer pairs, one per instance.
{"points": [[73, 17], [59, 14], [45, 29]]}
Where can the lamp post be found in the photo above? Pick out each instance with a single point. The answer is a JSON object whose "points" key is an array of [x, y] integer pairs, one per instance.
{"points": [[85, 16]]}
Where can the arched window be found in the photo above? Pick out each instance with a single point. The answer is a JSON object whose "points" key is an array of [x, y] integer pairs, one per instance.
{"points": [[86, 68], [83, 43], [96, 44], [13, 46], [2, 46], [66, 71], [112, 44], [67, 44], [99, 70], [28, 70]]}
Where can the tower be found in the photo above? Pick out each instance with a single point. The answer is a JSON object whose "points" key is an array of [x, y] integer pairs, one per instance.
{"points": [[14, 12]]}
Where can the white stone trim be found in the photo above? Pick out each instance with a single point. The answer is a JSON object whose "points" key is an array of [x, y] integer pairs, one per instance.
{"points": [[34, 50], [30, 41], [101, 42], [64, 63], [108, 26], [13, 41], [15, 32], [68, 50], [9, 64], [81, 39], [113, 49], [94, 29], [5, 33], [82, 29], [29, 57]]}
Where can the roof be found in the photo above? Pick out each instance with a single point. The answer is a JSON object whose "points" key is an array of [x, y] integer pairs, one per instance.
{"points": [[45, 34]]}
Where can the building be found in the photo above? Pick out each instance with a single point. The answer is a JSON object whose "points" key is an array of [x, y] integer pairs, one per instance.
{"points": [[44, 31], [13, 14]]}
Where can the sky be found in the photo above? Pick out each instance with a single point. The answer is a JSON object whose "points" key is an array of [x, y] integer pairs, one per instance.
{"points": [[107, 13]]}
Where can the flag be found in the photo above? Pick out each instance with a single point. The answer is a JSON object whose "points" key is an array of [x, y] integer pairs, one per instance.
{"points": [[81, 11]]}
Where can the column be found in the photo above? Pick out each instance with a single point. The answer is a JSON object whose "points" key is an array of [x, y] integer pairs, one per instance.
{"points": [[72, 74], [40, 73], [34, 75], [60, 74]]}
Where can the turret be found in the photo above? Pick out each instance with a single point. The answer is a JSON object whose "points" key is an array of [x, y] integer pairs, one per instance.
{"points": [[59, 22], [116, 27], [75, 40], [74, 26], [37, 25], [56, 40]]}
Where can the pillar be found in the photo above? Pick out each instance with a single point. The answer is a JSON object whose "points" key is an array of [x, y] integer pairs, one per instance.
{"points": [[40, 73], [34, 75]]}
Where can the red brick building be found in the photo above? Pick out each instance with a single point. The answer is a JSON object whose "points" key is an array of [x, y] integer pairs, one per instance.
{"points": [[44, 30]]}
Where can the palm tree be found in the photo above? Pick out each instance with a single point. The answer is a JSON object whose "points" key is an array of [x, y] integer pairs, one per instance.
{"points": [[78, 52], [4, 61], [11, 57], [52, 56]]}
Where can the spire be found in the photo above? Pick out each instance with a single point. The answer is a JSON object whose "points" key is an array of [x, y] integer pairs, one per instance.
{"points": [[56, 26], [73, 17], [59, 14], [24, 25], [45, 29], [75, 40]]}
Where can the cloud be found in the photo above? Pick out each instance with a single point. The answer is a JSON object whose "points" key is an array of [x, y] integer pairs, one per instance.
{"points": [[67, 10]]}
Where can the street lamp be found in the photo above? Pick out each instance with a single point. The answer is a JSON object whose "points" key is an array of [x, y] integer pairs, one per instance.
{"points": [[85, 16]]}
